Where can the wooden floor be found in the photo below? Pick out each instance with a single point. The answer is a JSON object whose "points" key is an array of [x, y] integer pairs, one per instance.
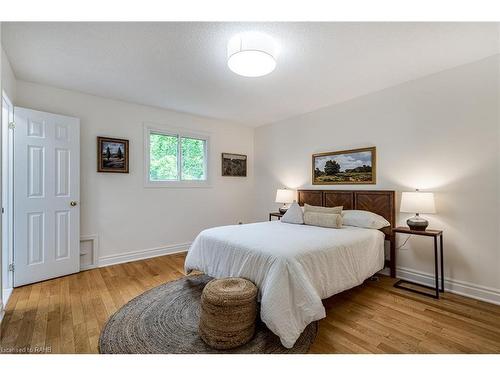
{"points": [[65, 315]]}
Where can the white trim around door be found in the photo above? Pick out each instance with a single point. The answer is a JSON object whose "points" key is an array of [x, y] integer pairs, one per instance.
{"points": [[7, 167]]}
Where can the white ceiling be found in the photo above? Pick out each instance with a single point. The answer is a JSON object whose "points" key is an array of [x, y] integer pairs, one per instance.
{"points": [[182, 66]]}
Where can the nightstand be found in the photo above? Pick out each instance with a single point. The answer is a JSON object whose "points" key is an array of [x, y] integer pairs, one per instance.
{"points": [[275, 214], [435, 234]]}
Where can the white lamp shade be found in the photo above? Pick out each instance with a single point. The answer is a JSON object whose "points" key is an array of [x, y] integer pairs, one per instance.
{"points": [[251, 54], [418, 202], [285, 196]]}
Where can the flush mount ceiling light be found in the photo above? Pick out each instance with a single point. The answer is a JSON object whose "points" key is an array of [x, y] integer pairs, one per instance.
{"points": [[251, 54]]}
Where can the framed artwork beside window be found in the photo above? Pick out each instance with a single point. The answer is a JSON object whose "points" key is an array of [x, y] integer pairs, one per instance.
{"points": [[112, 155], [344, 167], [234, 165]]}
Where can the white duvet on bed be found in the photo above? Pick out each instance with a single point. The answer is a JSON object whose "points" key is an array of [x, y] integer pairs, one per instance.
{"points": [[294, 266]]}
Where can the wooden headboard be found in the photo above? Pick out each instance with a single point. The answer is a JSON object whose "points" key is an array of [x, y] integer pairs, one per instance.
{"points": [[381, 202]]}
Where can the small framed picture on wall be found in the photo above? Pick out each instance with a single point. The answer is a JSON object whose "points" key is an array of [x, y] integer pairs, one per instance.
{"points": [[112, 155], [234, 165]]}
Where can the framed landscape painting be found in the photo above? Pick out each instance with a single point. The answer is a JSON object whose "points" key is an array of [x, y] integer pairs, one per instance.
{"points": [[112, 155], [234, 165], [344, 167]]}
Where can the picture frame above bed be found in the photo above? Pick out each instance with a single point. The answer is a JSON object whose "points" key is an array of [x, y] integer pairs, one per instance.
{"points": [[357, 166]]}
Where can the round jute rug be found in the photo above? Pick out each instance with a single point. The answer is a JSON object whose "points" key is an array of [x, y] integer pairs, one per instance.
{"points": [[165, 320]]}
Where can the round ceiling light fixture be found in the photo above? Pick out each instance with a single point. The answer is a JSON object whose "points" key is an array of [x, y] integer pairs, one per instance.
{"points": [[251, 54]]}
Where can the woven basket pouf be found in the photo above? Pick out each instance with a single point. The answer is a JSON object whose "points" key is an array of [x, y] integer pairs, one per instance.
{"points": [[228, 312]]}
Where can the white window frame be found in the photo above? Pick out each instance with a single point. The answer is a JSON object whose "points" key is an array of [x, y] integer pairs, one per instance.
{"points": [[180, 133]]}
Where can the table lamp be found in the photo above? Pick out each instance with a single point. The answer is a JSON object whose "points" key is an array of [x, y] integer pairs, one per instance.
{"points": [[418, 203], [286, 197]]}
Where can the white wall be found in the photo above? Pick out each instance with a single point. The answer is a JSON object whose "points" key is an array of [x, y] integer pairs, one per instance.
{"points": [[8, 78], [8, 84], [439, 133], [126, 215], [1, 250]]}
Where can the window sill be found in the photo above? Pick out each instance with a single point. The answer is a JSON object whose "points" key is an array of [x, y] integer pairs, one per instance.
{"points": [[178, 184]]}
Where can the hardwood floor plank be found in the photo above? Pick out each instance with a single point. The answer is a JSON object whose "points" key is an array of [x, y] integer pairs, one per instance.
{"points": [[18, 313], [54, 332], [28, 322], [11, 331], [67, 314], [367, 332], [91, 323], [9, 311], [40, 325], [463, 312], [388, 349], [481, 344], [75, 299], [66, 324], [82, 343], [102, 292], [349, 336], [469, 326], [117, 298]]}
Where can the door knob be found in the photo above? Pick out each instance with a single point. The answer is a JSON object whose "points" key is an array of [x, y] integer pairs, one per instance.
{"points": [[73, 203]]}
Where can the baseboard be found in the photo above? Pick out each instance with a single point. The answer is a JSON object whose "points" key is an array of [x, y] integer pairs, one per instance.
{"points": [[462, 288], [142, 254]]}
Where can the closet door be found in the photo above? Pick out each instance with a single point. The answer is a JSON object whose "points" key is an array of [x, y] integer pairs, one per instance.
{"points": [[46, 196]]}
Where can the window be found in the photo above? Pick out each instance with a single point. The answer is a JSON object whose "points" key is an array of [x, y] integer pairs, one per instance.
{"points": [[175, 158]]}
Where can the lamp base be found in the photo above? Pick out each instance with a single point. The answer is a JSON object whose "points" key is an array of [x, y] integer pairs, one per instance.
{"points": [[417, 223], [284, 208]]}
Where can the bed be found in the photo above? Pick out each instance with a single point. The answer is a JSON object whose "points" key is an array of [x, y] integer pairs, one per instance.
{"points": [[296, 266]]}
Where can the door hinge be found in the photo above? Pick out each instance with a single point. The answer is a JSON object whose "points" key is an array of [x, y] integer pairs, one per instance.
{"points": [[3, 210], [11, 267], [12, 125]]}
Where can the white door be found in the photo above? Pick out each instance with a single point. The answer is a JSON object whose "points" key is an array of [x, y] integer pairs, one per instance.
{"points": [[46, 195]]}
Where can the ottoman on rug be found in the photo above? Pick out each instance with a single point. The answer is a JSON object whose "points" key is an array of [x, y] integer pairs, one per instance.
{"points": [[228, 312]]}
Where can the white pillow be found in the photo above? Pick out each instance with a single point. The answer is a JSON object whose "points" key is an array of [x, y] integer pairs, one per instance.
{"points": [[293, 215], [364, 219]]}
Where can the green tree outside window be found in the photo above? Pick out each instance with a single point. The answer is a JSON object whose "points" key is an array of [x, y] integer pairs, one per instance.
{"points": [[193, 159], [163, 157], [164, 153]]}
